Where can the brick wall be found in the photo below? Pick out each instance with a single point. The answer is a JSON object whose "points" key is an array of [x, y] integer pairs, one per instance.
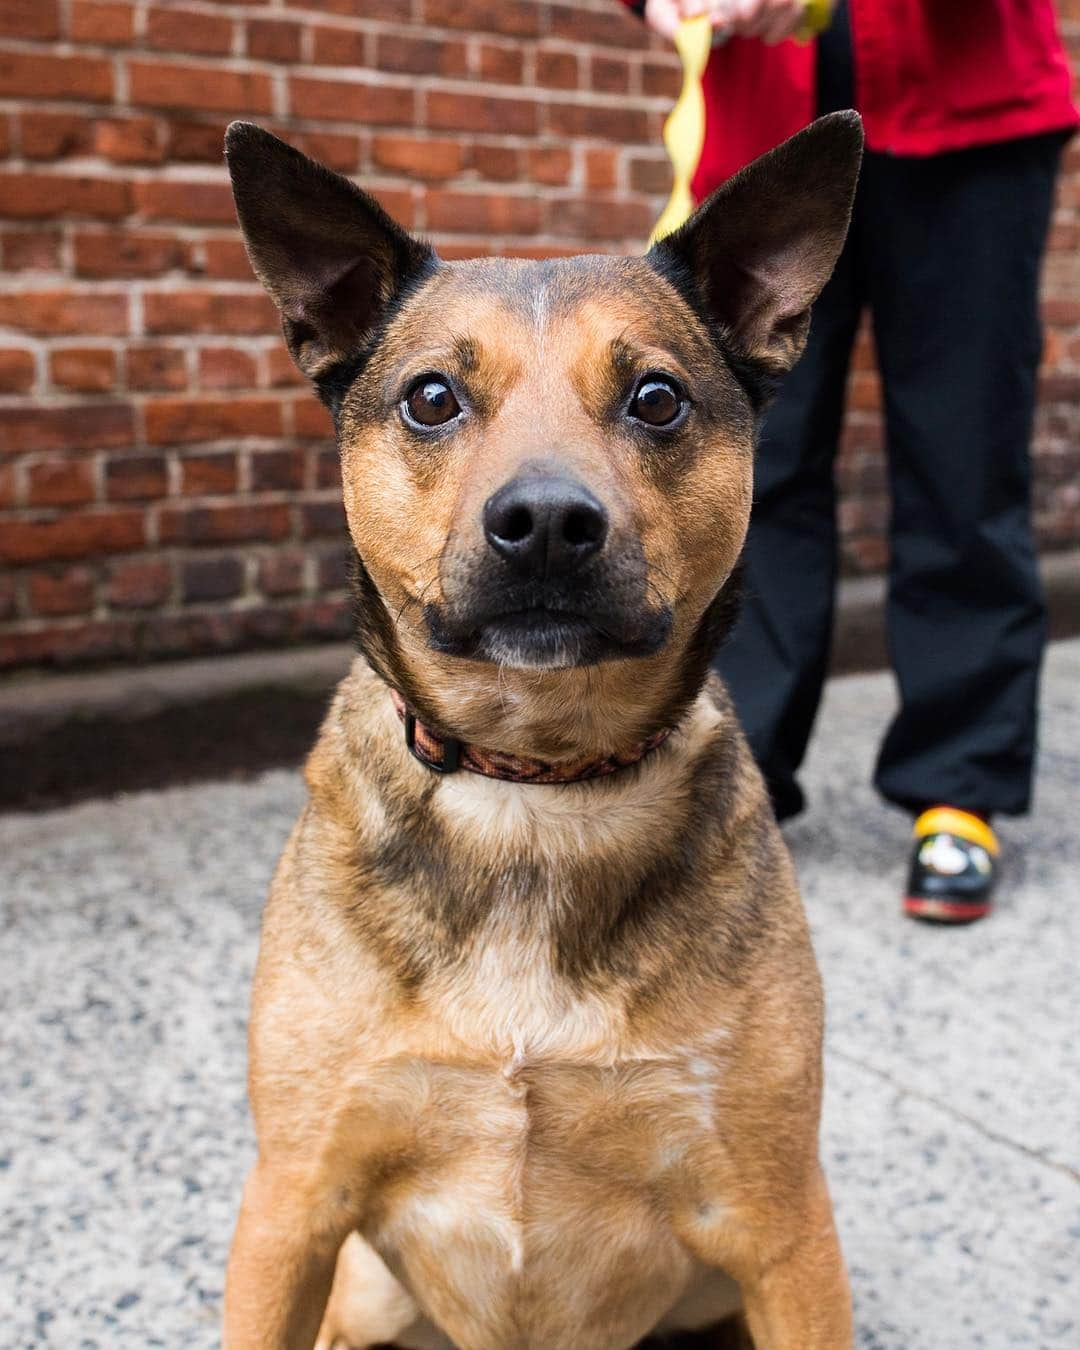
{"points": [[167, 485]]}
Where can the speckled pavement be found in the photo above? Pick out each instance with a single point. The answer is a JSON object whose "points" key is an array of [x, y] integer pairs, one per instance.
{"points": [[952, 1122]]}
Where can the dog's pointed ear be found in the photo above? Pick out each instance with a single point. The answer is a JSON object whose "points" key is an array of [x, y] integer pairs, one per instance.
{"points": [[758, 251], [329, 255]]}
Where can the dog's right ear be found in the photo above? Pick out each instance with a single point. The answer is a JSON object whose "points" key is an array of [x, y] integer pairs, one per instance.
{"points": [[329, 255], [756, 254]]}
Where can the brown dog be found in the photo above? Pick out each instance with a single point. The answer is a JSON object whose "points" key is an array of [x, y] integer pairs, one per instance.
{"points": [[536, 1044]]}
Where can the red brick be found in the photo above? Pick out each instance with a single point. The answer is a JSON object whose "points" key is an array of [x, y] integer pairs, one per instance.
{"points": [[418, 158], [35, 19], [501, 65], [597, 218], [479, 212], [311, 421], [131, 140], [66, 591], [613, 26], [207, 475], [126, 253], [515, 18], [156, 368], [277, 470], [321, 519], [104, 21], [72, 535], [197, 142], [601, 167], [157, 84], [184, 420], [36, 195], [333, 569], [273, 40], [609, 122], [549, 164], [651, 175], [138, 583], [68, 644], [396, 202], [46, 135], [334, 149], [421, 55], [225, 523], [340, 47], [203, 579], [136, 478], [166, 199], [481, 112], [281, 573], [209, 312], [610, 75], [351, 101], [328, 469], [31, 250], [90, 370], [16, 370], [224, 258], [88, 426], [392, 11], [497, 163], [60, 482], [187, 30], [7, 583], [43, 75], [281, 370], [557, 70], [226, 368], [661, 79]]}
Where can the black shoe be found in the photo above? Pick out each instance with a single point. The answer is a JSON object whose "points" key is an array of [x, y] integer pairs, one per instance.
{"points": [[953, 867]]}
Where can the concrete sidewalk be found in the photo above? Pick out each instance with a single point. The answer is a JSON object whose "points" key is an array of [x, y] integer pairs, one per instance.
{"points": [[952, 1127]]}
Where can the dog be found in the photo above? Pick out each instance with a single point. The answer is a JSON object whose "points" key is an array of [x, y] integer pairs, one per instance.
{"points": [[535, 1046]]}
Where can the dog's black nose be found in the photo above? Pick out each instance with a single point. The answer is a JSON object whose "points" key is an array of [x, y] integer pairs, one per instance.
{"points": [[544, 526]]}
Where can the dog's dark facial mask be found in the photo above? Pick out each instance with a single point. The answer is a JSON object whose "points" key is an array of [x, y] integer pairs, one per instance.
{"points": [[546, 465]]}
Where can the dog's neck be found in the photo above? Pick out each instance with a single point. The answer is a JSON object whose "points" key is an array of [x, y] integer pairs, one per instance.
{"points": [[608, 709], [446, 754]]}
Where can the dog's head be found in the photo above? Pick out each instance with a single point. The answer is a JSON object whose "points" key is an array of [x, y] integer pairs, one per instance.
{"points": [[546, 465]]}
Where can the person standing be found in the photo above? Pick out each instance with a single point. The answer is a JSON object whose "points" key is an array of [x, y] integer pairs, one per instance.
{"points": [[966, 108]]}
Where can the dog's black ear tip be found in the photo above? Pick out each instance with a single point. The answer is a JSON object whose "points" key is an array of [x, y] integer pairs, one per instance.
{"points": [[241, 134], [845, 127]]}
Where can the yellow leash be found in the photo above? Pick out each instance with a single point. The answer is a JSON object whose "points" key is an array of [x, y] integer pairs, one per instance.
{"points": [[684, 130]]}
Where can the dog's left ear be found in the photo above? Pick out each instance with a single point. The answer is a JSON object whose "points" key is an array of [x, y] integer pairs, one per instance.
{"points": [[329, 255], [757, 253]]}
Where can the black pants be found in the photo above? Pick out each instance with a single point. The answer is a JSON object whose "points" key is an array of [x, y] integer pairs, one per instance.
{"points": [[945, 252]]}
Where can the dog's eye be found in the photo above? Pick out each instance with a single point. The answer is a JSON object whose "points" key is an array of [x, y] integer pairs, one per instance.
{"points": [[431, 402], [656, 402]]}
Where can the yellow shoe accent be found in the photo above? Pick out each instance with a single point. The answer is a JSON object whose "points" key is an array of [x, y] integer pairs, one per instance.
{"points": [[951, 820]]}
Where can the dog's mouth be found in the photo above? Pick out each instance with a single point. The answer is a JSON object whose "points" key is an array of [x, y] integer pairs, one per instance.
{"points": [[548, 637]]}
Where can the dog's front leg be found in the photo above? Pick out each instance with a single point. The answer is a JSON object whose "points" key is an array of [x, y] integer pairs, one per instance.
{"points": [[795, 1291], [786, 1258], [281, 1265]]}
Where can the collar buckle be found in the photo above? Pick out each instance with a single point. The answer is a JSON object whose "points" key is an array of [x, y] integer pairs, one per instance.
{"points": [[451, 749]]}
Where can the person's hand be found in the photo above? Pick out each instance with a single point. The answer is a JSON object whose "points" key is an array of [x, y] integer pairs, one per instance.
{"points": [[664, 16], [771, 20]]}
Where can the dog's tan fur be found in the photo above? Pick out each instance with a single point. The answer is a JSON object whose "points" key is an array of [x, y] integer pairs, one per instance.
{"points": [[535, 1066]]}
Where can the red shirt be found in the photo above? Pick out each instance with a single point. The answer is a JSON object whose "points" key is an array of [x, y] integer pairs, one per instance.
{"points": [[930, 76]]}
